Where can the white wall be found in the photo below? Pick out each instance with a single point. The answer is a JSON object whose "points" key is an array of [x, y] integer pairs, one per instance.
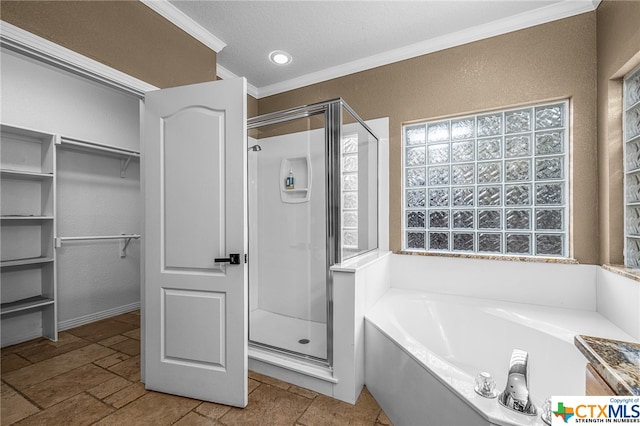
{"points": [[92, 198], [618, 299], [586, 287], [43, 98], [549, 284], [288, 239]]}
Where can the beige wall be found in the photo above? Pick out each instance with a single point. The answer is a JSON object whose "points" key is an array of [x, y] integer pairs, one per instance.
{"points": [[126, 35], [618, 33], [550, 61], [252, 106]]}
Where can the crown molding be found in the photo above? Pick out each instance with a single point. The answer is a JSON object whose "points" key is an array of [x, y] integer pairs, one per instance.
{"points": [[225, 74], [185, 23], [33, 46], [539, 16]]}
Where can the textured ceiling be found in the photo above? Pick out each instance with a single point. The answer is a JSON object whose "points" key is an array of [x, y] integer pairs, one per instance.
{"points": [[330, 35]]}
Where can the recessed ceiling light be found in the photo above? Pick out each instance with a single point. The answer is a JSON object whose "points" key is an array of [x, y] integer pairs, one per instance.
{"points": [[280, 57]]}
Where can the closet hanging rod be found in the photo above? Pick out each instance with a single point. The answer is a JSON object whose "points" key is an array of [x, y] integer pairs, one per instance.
{"points": [[100, 237], [100, 147], [124, 243]]}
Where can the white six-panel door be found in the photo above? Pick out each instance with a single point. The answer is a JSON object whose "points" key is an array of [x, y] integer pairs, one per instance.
{"points": [[195, 309]]}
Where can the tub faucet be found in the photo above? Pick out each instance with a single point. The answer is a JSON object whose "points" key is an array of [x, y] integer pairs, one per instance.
{"points": [[516, 394]]}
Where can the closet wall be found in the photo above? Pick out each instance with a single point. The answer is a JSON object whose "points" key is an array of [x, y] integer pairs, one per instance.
{"points": [[92, 199]]}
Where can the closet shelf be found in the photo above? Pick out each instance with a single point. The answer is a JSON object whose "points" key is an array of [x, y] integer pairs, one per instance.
{"points": [[24, 304], [27, 169], [29, 261], [296, 190], [23, 174], [94, 146], [125, 154]]}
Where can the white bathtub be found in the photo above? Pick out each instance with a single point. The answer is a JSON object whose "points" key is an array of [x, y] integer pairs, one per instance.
{"points": [[423, 350]]}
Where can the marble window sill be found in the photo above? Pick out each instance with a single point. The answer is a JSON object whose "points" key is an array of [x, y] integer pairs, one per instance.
{"points": [[492, 257], [633, 274]]}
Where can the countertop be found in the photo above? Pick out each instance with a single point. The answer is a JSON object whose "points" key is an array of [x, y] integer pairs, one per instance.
{"points": [[616, 361]]}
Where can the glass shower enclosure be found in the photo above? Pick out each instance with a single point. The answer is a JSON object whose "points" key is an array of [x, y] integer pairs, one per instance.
{"points": [[313, 202]]}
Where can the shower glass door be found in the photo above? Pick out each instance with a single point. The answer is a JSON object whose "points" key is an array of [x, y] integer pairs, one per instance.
{"points": [[288, 266]]}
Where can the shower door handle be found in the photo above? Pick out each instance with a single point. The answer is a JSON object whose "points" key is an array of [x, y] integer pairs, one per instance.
{"points": [[233, 259]]}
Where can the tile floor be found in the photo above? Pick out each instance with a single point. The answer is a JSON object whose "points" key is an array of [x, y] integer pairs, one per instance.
{"points": [[91, 376]]}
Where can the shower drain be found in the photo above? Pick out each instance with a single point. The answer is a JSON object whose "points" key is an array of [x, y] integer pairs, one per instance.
{"points": [[303, 341]]}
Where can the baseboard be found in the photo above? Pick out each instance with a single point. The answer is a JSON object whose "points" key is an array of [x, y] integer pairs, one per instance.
{"points": [[19, 339], [86, 319]]}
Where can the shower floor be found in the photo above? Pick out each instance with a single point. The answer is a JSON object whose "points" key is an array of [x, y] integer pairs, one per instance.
{"points": [[285, 332]]}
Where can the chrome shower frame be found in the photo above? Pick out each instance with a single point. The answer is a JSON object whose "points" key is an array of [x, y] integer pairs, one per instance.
{"points": [[332, 110]]}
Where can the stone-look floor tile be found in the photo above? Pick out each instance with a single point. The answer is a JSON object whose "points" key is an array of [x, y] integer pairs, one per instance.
{"points": [[328, 411], [64, 338], [12, 362], [129, 346], [268, 404], [212, 410], [151, 409], [79, 410], [66, 385], [109, 387], [110, 360], [193, 419], [129, 369], [383, 419], [124, 396], [100, 330], [129, 318], [41, 343], [43, 352], [253, 384], [307, 393], [14, 406], [36, 373], [109, 341], [25, 345], [268, 380], [133, 334]]}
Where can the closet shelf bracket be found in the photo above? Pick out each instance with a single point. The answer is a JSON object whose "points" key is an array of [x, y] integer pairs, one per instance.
{"points": [[124, 163], [124, 243]]}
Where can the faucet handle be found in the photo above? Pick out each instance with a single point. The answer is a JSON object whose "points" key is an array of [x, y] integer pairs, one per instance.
{"points": [[546, 411], [485, 385]]}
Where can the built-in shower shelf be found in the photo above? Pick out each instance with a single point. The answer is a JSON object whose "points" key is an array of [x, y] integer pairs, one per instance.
{"points": [[301, 168]]}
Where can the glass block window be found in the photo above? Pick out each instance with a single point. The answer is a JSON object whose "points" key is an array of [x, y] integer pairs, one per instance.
{"points": [[491, 183], [631, 134], [349, 151]]}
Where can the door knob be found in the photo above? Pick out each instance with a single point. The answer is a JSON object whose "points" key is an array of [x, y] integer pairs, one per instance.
{"points": [[233, 259]]}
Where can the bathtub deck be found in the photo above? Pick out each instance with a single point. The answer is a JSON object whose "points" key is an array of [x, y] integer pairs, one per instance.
{"points": [[423, 351]]}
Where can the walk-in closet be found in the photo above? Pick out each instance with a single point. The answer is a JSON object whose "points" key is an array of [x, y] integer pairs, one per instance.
{"points": [[70, 200]]}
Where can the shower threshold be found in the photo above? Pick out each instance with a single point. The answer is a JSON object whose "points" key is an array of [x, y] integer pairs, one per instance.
{"points": [[290, 334]]}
